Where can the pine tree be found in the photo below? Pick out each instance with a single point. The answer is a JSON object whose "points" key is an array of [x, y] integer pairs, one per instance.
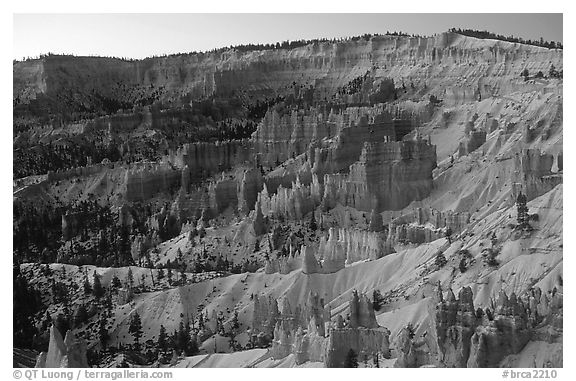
{"points": [[449, 235], [135, 330], [80, 316], [98, 289], [462, 265], [351, 359], [116, 283], [87, 286], [440, 260], [169, 275], [62, 324], [377, 300], [130, 278], [235, 322], [313, 225], [181, 337], [162, 339], [522, 210], [103, 331]]}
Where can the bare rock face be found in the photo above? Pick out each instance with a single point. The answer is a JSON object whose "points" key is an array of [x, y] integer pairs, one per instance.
{"points": [[310, 264], [534, 175], [258, 223], [146, 180], [483, 338], [364, 342], [307, 339], [412, 352], [388, 176], [248, 189], [414, 226], [205, 159], [70, 225], [329, 65], [185, 180], [265, 315], [455, 325], [67, 353], [473, 141], [284, 265], [376, 223], [361, 312], [506, 334]]}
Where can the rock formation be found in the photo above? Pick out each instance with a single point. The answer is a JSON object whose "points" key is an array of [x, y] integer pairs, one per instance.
{"points": [[310, 342], [474, 139], [144, 181], [388, 176], [361, 312], [483, 338], [533, 174], [67, 353]]}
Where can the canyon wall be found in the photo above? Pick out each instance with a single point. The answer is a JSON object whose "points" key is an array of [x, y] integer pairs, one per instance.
{"points": [[448, 63]]}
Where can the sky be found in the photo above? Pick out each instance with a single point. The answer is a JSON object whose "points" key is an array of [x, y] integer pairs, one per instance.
{"points": [[143, 35]]}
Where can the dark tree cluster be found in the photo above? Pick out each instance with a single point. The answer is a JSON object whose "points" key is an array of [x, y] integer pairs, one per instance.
{"points": [[37, 228], [26, 302], [39, 159], [484, 34]]}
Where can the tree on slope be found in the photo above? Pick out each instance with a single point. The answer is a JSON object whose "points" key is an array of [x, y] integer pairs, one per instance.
{"points": [[103, 331], [522, 210], [98, 289], [135, 330], [351, 359], [162, 339]]}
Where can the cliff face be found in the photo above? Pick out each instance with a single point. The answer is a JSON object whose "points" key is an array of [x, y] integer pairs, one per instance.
{"points": [[325, 65], [534, 176], [145, 181], [387, 176], [206, 159]]}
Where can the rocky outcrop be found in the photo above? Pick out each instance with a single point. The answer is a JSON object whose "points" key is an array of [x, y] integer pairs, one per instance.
{"points": [[67, 353], [341, 247], [248, 189], [265, 315], [206, 159], [376, 223], [472, 141], [307, 339], [258, 223], [145, 180], [328, 65], [455, 325], [364, 342], [388, 176], [281, 136], [412, 352], [361, 312], [533, 174], [284, 264], [423, 225], [482, 338], [291, 203]]}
